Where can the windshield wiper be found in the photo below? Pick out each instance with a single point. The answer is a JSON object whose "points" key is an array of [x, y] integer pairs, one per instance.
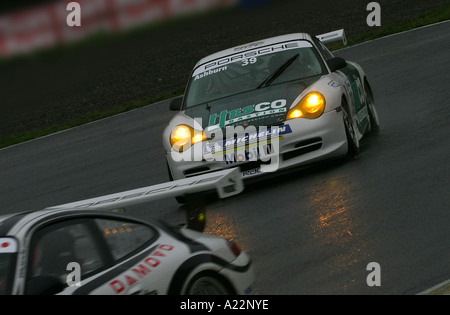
{"points": [[277, 72]]}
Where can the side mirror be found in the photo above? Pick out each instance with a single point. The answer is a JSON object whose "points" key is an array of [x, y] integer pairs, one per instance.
{"points": [[336, 63], [175, 104]]}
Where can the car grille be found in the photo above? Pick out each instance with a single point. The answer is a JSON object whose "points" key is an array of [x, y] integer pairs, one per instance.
{"points": [[301, 148]]}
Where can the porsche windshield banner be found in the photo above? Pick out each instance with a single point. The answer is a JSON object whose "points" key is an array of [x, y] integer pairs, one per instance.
{"points": [[220, 63]]}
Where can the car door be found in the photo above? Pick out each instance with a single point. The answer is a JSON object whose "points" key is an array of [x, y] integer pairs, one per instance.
{"points": [[64, 255], [355, 89], [85, 256], [131, 245], [350, 78]]}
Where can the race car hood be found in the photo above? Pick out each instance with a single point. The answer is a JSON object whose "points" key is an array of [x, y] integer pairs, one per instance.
{"points": [[267, 106]]}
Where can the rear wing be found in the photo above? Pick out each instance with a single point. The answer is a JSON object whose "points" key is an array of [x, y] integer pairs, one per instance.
{"points": [[227, 183], [334, 36]]}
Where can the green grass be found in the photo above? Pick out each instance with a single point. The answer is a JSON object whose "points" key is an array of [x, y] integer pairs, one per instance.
{"points": [[431, 17], [434, 16], [89, 117]]}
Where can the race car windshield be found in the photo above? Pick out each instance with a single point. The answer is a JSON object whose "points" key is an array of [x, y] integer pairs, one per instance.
{"points": [[7, 263], [251, 70]]}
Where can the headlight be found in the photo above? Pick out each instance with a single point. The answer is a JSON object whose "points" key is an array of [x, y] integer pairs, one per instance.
{"points": [[183, 136], [311, 106]]}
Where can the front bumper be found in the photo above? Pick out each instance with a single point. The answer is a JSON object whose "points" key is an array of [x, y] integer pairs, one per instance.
{"points": [[310, 141]]}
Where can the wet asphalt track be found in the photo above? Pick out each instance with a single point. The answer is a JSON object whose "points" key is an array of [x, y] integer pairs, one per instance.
{"points": [[313, 231]]}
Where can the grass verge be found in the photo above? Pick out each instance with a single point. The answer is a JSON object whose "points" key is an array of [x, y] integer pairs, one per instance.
{"points": [[89, 117], [434, 16]]}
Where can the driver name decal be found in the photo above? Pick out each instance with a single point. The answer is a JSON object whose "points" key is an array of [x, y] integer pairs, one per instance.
{"points": [[209, 72]]}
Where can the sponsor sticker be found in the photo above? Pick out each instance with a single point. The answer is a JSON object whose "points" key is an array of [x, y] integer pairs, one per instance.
{"points": [[8, 245], [131, 277], [246, 141], [225, 117], [249, 154], [254, 171]]}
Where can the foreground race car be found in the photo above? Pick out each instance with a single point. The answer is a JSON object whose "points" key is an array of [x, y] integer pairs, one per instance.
{"points": [[84, 248], [269, 105]]}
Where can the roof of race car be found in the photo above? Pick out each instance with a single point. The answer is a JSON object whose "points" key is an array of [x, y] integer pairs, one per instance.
{"points": [[255, 44], [8, 221], [11, 224]]}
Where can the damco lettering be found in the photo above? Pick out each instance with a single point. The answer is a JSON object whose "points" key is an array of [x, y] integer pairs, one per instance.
{"points": [[142, 269]]}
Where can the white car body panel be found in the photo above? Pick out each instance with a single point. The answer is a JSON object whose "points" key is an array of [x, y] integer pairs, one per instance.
{"points": [[163, 267], [334, 86]]}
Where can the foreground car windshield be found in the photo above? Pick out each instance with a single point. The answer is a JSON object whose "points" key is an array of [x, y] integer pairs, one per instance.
{"points": [[252, 69]]}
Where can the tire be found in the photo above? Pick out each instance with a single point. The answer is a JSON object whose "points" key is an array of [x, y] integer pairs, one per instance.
{"points": [[373, 115], [352, 138], [208, 284]]}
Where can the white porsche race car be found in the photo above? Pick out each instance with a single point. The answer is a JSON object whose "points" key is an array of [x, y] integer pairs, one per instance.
{"points": [[80, 248], [268, 106]]}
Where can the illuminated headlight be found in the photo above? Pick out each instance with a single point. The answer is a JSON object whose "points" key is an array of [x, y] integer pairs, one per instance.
{"points": [[311, 106], [183, 136]]}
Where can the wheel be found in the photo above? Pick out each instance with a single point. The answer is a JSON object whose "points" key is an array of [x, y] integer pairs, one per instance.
{"points": [[180, 199], [373, 115], [352, 138], [208, 284]]}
